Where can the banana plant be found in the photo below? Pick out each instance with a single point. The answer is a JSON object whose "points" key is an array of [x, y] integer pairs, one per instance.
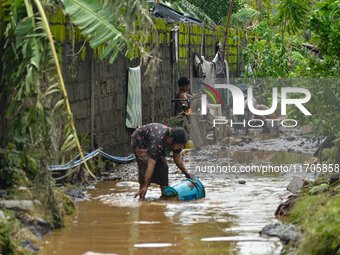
{"points": [[121, 26], [41, 126], [30, 84]]}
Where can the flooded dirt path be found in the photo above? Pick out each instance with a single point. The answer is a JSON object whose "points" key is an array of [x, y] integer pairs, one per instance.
{"points": [[227, 221]]}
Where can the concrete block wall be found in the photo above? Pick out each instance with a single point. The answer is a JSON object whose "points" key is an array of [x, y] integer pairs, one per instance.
{"points": [[94, 85], [111, 79]]}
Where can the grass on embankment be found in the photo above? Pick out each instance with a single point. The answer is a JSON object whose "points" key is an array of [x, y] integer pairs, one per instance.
{"points": [[317, 215]]}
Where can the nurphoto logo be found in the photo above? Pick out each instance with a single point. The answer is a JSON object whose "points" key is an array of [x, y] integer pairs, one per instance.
{"points": [[239, 105]]}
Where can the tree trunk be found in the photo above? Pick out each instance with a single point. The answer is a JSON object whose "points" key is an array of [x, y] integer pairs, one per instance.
{"points": [[259, 3], [283, 31]]}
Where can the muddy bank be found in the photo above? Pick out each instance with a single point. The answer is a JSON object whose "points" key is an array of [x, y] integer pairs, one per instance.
{"points": [[31, 229]]}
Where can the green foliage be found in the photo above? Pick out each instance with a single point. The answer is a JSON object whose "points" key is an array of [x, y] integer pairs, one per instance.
{"points": [[12, 235], [6, 243], [185, 6], [267, 57], [324, 85], [243, 18], [111, 25], [34, 109], [40, 129], [325, 90], [319, 219], [264, 7], [85, 142], [41, 124], [319, 189], [68, 205], [292, 14], [217, 10], [327, 156], [325, 25], [16, 167]]}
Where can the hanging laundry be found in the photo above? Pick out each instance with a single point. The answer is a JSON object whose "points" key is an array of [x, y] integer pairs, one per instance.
{"points": [[134, 99]]}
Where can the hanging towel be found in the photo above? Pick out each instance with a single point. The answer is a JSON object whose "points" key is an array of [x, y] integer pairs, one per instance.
{"points": [[134, 99], [209, 67]]}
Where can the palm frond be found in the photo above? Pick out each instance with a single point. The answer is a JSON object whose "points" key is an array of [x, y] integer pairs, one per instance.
{"points": [[243, 17], [294, 13]]}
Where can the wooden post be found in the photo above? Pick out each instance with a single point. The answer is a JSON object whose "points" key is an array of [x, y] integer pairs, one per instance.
{"points": [[92, 99], [189, 54], [227, 27], [152, 103], [238, 54]]}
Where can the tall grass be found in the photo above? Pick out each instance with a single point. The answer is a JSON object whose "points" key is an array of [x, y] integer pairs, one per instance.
{"points": [[318, 216]]}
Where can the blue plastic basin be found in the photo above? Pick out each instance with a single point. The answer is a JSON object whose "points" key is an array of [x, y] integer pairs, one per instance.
{"points": [[186, 190]]}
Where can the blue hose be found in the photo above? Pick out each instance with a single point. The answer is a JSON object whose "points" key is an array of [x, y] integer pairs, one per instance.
{"points": [[118, 159], [75, 164]]}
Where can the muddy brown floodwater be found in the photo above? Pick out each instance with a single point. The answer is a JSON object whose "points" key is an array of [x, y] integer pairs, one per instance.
{"points": [[227, 221]]}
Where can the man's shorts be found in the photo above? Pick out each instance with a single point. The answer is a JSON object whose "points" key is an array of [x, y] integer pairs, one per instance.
{"points": [[160, 173]]}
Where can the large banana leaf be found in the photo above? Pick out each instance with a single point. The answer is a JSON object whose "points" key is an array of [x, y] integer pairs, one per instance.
{"points": [[96, 23]]}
